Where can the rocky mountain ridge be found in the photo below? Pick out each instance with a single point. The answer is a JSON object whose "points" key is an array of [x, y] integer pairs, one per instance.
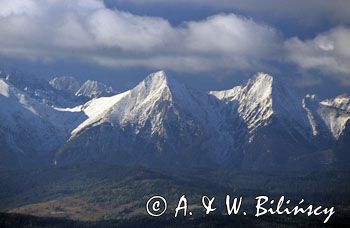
{"points": [[163, 123]]}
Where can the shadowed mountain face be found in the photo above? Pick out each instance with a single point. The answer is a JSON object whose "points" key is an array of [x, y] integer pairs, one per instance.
{"points": [[161, 123]]}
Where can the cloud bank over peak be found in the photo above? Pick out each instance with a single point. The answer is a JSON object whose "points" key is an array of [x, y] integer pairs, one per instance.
{"points": [[88, 30]]}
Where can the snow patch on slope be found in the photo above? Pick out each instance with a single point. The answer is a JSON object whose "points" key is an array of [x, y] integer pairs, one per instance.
{"points": [[95, 109]]}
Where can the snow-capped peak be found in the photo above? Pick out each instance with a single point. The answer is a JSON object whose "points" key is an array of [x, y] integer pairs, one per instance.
{"points": [[130, 105], [254, 99], [158, 81], [148, 101], [260, 87], [160, 77], [263, 78], [154, 81]]}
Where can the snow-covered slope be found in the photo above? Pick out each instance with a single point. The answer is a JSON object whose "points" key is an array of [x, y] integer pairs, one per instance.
{"points": [[96, 109], [94, 89]]}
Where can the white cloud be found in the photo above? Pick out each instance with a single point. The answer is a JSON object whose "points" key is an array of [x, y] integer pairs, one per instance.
{"points": [[231, 34], [328, 52], [87, 30], [16, 7], [115, 29]]}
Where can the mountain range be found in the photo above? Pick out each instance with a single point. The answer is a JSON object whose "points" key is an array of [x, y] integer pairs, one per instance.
{"points": [[161, 123]]}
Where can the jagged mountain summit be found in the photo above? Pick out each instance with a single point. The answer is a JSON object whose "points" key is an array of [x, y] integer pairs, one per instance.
{"points": [[162, 123], [262, 98], [276, 122]]}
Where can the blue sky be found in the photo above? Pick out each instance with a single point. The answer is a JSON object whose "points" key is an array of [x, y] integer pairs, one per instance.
{"points": [[207, 44]]}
